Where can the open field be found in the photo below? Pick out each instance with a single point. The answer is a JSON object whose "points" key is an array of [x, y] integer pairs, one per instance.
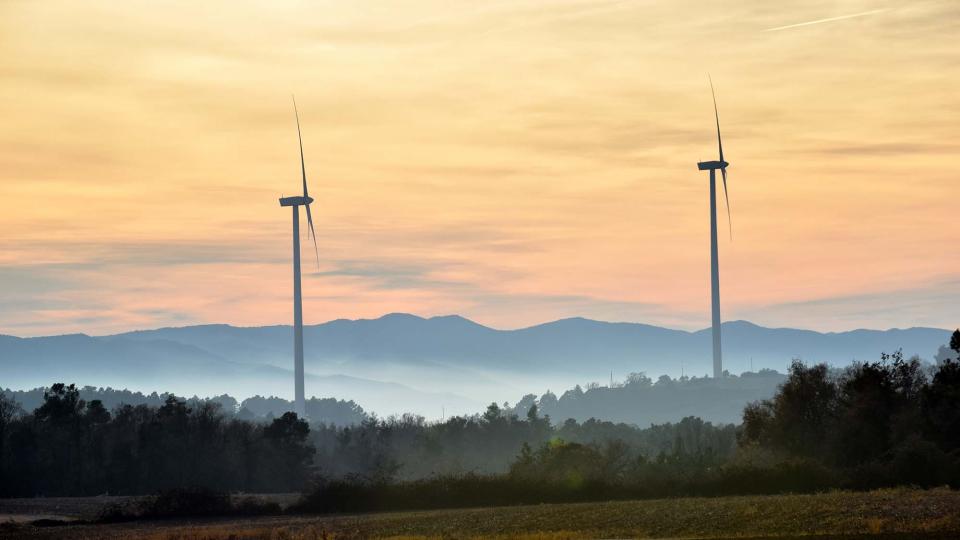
{"points": [[900, 513], [88, 508]]}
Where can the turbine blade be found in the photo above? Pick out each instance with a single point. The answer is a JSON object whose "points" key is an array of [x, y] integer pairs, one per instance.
{"points": [[716, 115], [726, 197], [303, 167], [313, 233]]}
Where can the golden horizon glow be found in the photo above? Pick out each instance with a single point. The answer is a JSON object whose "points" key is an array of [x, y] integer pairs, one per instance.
{"points": [[512, 162]]}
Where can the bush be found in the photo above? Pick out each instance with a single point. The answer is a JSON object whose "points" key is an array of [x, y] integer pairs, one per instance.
{"points": [[188, 502], [790, 476], [252, 506], [358, 494], [916, 462]]}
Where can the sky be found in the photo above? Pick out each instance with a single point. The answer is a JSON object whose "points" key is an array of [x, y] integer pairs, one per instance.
{"points": [[514, 162]]}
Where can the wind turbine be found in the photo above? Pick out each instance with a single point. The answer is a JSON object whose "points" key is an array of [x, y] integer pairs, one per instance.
{"points": [[296, 203], [712, 166]]}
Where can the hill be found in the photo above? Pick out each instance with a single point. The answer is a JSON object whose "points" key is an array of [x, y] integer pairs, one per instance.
{"points": [[401, 362]]}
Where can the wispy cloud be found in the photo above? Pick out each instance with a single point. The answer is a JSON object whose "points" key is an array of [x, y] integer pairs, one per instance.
{"points": [[886, 149], [826, 20], [932, 305]]}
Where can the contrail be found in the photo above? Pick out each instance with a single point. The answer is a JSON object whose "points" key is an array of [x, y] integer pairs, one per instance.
{"points": [[831, 19]]}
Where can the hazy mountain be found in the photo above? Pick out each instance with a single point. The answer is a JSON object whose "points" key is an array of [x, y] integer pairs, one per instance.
{"points": [[185, 369], [402, 362], [570, 347]]}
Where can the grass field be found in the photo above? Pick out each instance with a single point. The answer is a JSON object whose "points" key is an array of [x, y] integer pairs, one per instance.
{"points": [[900, 514]]}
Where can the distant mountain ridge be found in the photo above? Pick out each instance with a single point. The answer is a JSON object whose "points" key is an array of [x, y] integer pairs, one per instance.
{"points": [[404, 362], [644, 347]]}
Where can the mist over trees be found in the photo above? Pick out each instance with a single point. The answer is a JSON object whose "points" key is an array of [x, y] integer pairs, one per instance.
{"points": [[256, 408], [401, 363], [642, 401], [875, 424], [891, 422], [409, 448], [636, 400], [69, 446]]}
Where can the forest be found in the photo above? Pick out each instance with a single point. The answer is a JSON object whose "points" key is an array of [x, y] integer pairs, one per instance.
{"points": [[260, 408], [68, 446], [891, 422]]}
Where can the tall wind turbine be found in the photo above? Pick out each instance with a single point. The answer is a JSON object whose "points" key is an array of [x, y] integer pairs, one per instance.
{"points": [[712, 166], [296, 203]]}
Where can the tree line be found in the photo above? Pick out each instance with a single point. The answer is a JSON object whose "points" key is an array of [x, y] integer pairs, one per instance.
{"points": [[409, 448], [257, 408], [643, 401], [875, 423], [70, 446]]}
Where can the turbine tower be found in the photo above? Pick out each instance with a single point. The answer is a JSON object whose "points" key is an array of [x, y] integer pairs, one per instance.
{"points": [[712, 166], [296, 203]]}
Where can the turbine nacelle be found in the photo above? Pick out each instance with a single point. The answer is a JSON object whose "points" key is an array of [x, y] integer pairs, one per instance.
{"points": [[712, 165], [296, 201]]}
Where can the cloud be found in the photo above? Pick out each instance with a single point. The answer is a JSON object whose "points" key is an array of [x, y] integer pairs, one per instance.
{"points": [[93, 256], [886, 149], [390, 275], [933, 304], [826, 20]]}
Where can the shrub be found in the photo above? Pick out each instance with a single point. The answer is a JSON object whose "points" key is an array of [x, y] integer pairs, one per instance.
{"points": [[189, 502]]}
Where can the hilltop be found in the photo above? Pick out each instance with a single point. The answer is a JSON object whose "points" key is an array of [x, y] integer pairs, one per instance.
{"points": [[403, 363]]}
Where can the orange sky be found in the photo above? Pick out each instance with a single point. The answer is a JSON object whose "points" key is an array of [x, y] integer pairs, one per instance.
{"points": [[510, 161]]}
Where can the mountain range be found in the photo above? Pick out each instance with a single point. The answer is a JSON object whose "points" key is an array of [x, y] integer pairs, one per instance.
{"points": [[432, 366]]}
